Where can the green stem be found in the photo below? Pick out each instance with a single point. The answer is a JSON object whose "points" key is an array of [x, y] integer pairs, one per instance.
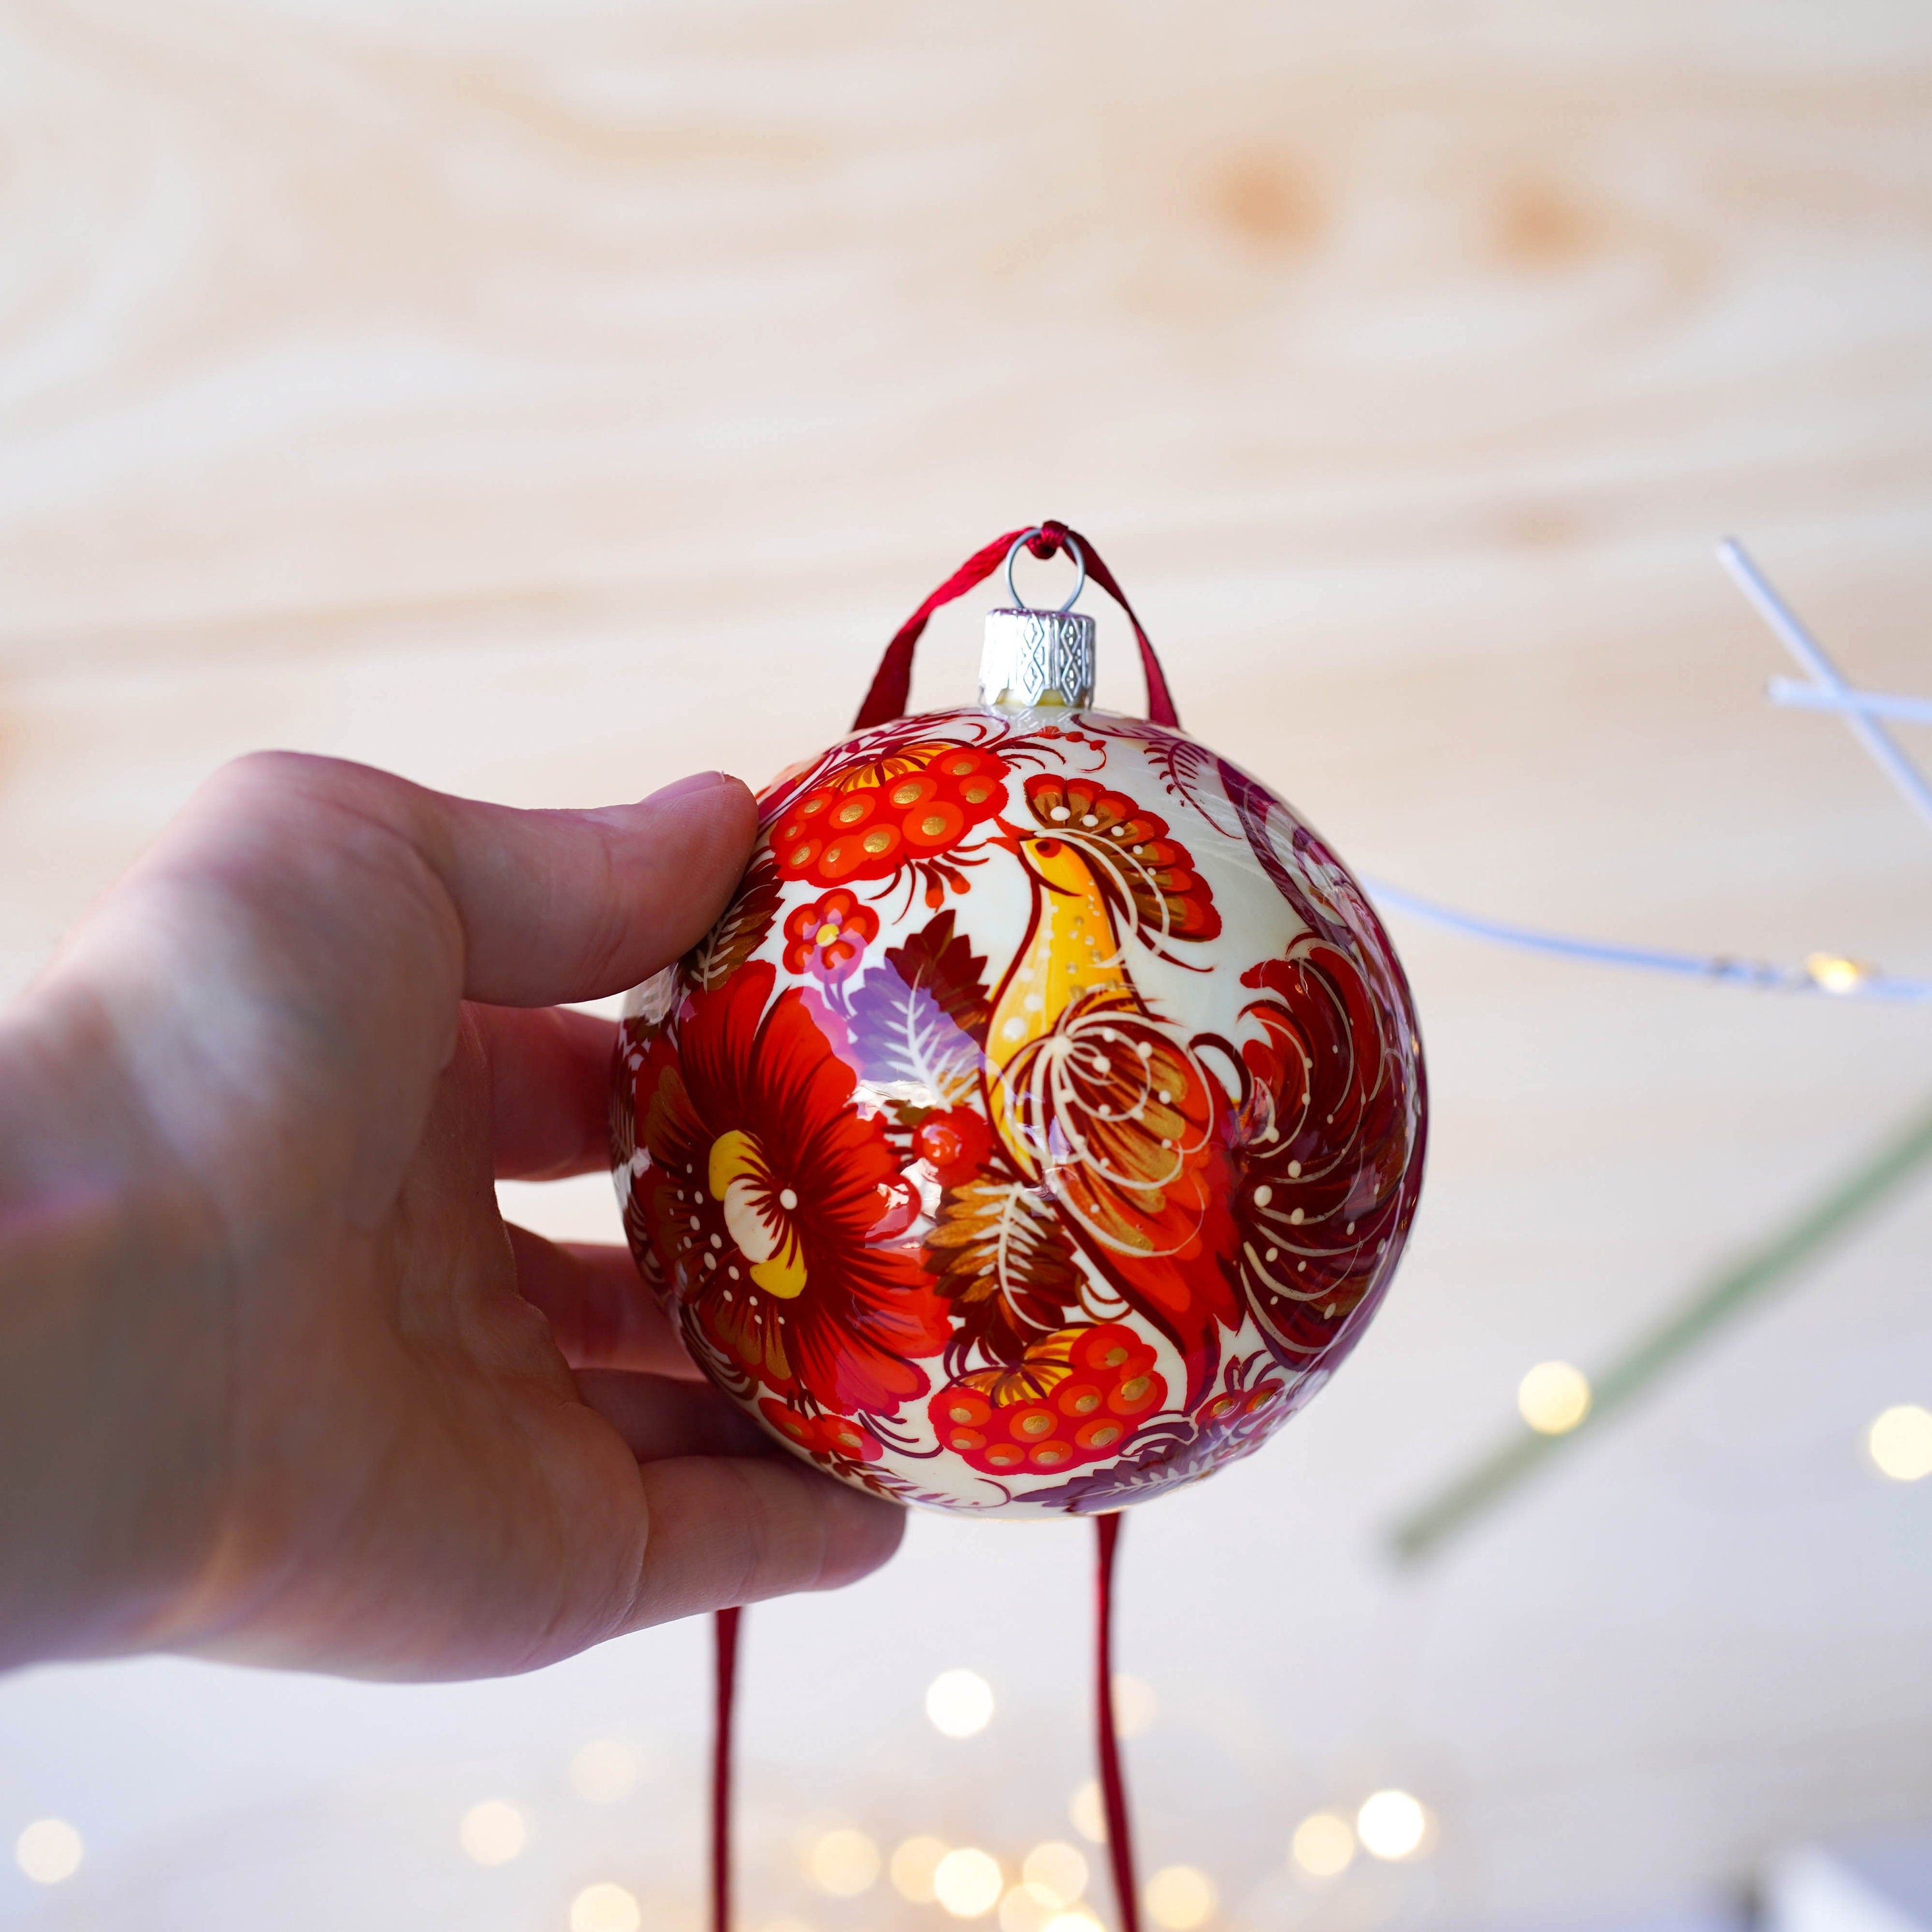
{"points": [[1424, 1530]]}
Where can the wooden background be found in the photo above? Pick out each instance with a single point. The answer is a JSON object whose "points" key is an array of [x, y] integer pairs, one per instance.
{"points": [[546, 399]]}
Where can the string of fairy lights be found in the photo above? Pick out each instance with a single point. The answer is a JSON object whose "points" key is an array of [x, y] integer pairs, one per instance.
{"points": [[1555, 1399], [1826, 689], [1048, 1885]]}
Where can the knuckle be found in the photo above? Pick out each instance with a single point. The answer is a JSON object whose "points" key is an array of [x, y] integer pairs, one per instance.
{"points": [[290, 829], [271, 776]]}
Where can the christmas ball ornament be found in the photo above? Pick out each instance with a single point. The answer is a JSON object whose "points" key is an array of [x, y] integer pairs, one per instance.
{"points": [[1042, 1124]]}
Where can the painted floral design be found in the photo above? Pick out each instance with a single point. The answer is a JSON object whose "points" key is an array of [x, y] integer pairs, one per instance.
{"points": [[775, 1209], [1138, 861], [1253, 1402], [827, 937], [900, 804], [954, 1143], [1041, 1124], [1326, 1188], [842, 1444], [1072, 1399]]}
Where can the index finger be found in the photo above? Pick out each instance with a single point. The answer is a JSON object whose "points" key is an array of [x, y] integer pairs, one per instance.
{"points": [[549, 1089], [737, 1529]]}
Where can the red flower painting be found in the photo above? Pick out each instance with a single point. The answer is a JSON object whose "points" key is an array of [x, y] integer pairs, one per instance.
{"points": [[827, 937], [776, 1207]]}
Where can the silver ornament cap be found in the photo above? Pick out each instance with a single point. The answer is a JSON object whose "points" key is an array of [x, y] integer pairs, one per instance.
{"points": [[1038, 657]]}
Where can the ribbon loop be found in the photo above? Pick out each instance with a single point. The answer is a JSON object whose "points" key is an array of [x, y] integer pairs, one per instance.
{"points": [[892, 686]]}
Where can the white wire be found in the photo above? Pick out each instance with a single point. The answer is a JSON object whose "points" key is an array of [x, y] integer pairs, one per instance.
{"points": [[1806, 649], [1649, 959], [1804, 696], [1828, 691]]}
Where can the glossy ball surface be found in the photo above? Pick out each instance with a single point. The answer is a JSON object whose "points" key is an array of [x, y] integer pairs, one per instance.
{"points": [[1040, 1125]]}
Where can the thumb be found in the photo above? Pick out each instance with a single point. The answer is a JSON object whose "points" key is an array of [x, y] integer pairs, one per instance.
{"points": [[572, 905], [541, 906]]}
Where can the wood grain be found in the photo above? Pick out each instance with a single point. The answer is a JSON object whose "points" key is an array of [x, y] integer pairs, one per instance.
{"points": [[542, 399]]}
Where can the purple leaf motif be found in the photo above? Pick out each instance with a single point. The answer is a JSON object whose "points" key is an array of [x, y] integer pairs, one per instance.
{"points": [[920, 1018]]}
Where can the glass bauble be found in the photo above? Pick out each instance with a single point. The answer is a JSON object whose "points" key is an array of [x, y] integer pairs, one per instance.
{"points": [[1040, 1126]]}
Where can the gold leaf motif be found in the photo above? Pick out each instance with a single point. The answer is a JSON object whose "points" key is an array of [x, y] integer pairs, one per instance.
{"points": [[1002, 1258], [742, 930]]}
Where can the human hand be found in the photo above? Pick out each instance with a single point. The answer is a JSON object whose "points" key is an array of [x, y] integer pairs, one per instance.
{"points": [[277, 1382]]}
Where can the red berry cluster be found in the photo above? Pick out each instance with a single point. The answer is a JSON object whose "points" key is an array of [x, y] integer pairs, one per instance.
{"points": [[954, 1144], [1074, 1398], [867, 821], [836, 1435]]}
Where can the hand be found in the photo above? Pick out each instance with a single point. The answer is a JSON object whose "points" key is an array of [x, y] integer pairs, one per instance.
{"points": [[277, 1382]]}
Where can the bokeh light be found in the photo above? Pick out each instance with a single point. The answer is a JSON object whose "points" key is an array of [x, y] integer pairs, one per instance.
{"points": [[1391, 1825], [959, 1702], [845, 1863], [1836, 974], [1553, 1398], [603, 1771], [1136, 1706], [1179, 1898], [1026, 1908], [1087, 1814], [914, 1861], [1056, 1869], [1899, 1442], [1323, 1845], [49, 1851], [968, 1882], [605, 1908], [493, 1832]]}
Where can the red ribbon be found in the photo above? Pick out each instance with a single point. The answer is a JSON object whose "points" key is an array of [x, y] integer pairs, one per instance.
{"points": [[725, 1687], [1113, 1777], [892, 686]]}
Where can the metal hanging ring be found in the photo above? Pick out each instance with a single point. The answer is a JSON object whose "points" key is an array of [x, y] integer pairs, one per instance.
{"points": [[1020, 543]]}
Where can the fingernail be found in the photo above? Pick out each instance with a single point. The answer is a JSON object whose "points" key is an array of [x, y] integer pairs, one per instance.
{"points": [[697, 782]]}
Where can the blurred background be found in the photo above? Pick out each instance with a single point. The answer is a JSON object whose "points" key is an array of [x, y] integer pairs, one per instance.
{"points": [[546, 397]]}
